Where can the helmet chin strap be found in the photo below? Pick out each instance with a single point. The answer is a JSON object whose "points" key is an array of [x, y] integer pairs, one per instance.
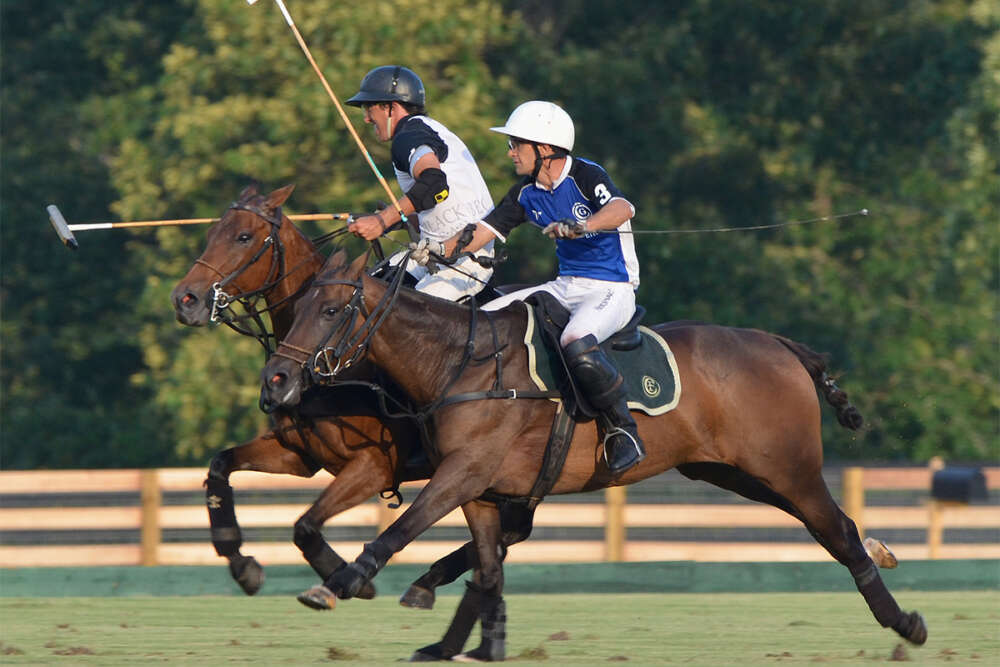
{"points": [[540, 159], [388, 122]]}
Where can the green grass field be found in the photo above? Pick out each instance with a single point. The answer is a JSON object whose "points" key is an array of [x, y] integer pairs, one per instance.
{"points": [[579, 629]]}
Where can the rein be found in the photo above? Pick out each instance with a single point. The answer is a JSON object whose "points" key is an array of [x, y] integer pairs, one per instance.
{"points": [[326, 361]]}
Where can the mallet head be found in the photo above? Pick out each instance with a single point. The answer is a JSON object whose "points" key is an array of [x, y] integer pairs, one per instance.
{"points": [[62, 229]]}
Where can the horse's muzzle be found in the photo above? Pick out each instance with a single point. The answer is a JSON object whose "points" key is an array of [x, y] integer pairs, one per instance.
{"points": [[279, 389], [189, 308]]}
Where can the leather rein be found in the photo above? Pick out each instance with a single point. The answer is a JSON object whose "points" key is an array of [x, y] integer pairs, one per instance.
{"points": [[324, 362]]}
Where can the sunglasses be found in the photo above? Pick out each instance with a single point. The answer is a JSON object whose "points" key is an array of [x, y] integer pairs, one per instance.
{"points": [[513, 143]]}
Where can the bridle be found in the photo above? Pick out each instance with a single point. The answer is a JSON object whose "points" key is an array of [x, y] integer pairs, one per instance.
{"points": [[221, 300], [252, 322], [330, 356]]}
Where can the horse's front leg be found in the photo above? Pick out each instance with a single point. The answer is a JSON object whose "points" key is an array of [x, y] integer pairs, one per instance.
{"points": [[263, 454], [483, 596], [456, 481], [361, 478]]}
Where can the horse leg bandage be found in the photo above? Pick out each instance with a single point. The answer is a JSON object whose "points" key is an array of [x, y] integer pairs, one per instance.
{"points": [[323, 559], [465, 618], [879, 599], [226, 536]]}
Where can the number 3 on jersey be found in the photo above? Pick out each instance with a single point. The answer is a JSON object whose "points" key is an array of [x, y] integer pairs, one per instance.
{"points": [[602, 194]]}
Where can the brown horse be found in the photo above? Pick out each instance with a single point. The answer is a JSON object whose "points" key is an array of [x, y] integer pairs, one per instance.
{"points": [[748, 421], [255, 252]]}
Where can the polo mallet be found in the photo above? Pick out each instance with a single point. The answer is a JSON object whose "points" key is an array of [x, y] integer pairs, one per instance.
{"points": [[65, 231], [414, 233]]}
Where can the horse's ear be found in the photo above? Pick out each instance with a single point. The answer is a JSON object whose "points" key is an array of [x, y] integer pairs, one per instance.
{"points": [[249, 191], [358, 266], [335, 261], [278, 197]]}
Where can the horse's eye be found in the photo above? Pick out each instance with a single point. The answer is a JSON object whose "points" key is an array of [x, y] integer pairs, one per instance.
{"points": [[244, 237], [329, 311]]}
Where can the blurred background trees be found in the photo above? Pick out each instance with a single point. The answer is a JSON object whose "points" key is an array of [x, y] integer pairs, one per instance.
{"points": [[706, 113]]}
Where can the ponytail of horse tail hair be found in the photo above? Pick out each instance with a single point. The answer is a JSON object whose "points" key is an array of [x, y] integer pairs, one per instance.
{"points": [[815, 364]]}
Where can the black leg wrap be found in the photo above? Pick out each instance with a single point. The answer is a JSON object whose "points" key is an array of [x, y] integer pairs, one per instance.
{"points": [[323, 560], [373, 558], [878, 597], [458, 632], [226, 536], [494, 631]]}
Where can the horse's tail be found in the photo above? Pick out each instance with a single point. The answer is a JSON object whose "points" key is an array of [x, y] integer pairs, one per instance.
{"points": [[815, 364]]}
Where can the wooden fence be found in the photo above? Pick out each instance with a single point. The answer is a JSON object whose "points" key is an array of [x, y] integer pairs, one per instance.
{"points": [[137, 509]]}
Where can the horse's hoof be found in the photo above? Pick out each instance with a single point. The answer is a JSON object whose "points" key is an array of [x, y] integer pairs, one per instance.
{"points": [[430, 653], [880, 554], [418, 597], [912, 627], [247, 572], [318, 597], [367, 591]]}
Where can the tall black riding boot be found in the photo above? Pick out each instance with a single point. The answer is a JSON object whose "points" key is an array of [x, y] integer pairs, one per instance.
{"points": [[604, 386]]}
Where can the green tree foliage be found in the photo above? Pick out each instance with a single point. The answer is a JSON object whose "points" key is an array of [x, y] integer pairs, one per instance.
{"points": [[707, 114], [719, 114], [69, 350], [237, 101]]}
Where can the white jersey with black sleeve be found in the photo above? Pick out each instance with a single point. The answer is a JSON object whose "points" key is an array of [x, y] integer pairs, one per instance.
{"points": [[468, 199]]}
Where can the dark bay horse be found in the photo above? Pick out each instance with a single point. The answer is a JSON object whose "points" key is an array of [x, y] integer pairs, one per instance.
{"points": [[748, 421]]}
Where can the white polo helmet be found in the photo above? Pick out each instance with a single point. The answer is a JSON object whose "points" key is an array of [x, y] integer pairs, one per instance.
{"points": [[541, 122]]}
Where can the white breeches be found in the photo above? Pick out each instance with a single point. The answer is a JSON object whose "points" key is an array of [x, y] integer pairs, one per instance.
{"points": [[597, 307]]}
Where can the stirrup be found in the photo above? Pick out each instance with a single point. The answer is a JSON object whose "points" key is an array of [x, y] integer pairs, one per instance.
{"points": [[618, 430]]}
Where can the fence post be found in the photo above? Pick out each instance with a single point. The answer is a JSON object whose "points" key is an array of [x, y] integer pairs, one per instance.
{"points": [[614, 527], [854, 497], [384, 516], [151, 497], [935, 525]]}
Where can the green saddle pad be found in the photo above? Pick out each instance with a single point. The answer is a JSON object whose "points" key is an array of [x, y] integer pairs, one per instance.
{"points": [[650, 370]]}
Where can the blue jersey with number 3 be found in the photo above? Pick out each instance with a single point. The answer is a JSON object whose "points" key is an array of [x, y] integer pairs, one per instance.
{"points": [[583, 189]]}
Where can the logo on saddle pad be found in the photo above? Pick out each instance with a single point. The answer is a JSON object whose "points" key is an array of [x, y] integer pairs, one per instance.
{"points": [[650, 370]]}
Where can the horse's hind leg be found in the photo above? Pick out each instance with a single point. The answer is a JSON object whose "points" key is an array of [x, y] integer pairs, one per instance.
{"points": [[515, 525], [262, 454], [835, 531], [482, 599]]}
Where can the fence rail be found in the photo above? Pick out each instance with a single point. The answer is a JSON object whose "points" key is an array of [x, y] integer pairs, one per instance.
{"points": [[137, 505]]}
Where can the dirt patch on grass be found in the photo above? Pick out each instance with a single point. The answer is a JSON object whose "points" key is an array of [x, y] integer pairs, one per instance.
{"points": [[334, 653], [73, 650]]}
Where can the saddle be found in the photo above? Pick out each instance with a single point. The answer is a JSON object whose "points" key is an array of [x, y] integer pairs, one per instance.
{"points": [[643, 357]]}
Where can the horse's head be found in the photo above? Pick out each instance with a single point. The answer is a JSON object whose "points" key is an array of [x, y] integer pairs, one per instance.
{"points": [[326, 336], [245, 255]]}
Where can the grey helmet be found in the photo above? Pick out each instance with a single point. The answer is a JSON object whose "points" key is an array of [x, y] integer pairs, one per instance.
{"points": [[390, 83]]}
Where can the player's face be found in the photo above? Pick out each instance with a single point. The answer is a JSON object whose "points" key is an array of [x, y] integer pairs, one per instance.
{"points": [[521, 154]]}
